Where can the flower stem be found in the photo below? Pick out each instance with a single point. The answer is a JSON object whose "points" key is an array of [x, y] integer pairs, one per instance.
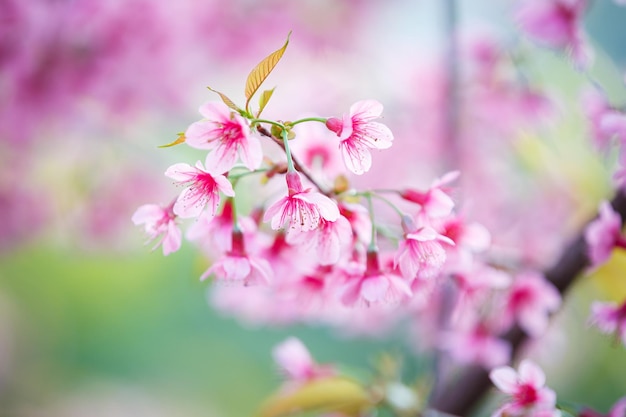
{"points": [[308, 119], [285, 134]]}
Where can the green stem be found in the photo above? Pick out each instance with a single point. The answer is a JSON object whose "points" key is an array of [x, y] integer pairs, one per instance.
{"points": [[370, 206], [271, 122], [285, 137], [389, 203], [237, 177], [308, 119]]}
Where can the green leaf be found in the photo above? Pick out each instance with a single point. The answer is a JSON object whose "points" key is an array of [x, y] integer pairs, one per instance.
{"points": [[226, 100], [178, 141], [264, 99], [327, 395], [262, 70]]}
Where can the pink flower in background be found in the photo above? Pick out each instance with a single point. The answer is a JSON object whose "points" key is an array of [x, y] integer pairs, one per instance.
{"points": [[294, 359], [610, 318], [239, 267], [618, 409], [529, 396], [606, 122], [530, 301], [557, 24], [227, 135], [300, 210], [374, 286], [603, 234], [436, 201], [159, 222], [327, 242], [203, 189], [359, 134]]}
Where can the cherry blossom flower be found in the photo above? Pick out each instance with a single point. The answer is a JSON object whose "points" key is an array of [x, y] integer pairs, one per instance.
{"points": [[605, 121], [160, 221], [603, 234], [529, 396], [228, 135], [610, 318], [328, 241], [618, 409], [374, 286], [529, 301], [358, 133], [435, 202], [294, 359], [239, 267], [203, 189], [474, 343], [421, 251], [557, 24], [302, 209]]}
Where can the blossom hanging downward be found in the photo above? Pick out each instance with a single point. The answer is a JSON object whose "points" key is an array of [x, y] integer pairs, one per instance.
{"points": [[358, 134], [529, 396], [603, 234], [159, 221], [610, 318], [228, 135], [203, 189], [301, 209]]}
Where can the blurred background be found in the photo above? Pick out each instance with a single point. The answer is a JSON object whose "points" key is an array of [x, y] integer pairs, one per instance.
{"points": [[94, 323]]}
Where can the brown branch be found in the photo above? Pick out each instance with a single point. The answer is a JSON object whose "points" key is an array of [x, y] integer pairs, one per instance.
{"points": [[462, 395]]}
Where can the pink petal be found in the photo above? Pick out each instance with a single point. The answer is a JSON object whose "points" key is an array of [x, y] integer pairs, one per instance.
{"points": [[181, 172], [221, 159], [224, 185], [531, 374], [356, 157], [202, 135], [236, 267], [374, 288], [366, 109], [294, 358], [215, 111], [172, 239], [439, 204], [188, 204], [251, 153], [148, 213], [505, 379], [377, 135], [328, 208]]}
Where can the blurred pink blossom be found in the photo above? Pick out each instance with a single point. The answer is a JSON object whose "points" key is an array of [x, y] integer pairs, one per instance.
{"points": [[603, 235], [160, 222], [610, 318]]}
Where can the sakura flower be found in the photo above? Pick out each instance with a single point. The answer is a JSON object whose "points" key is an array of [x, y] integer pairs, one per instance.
{"points": [[159, 221], [605, 121], [529, 396], [618, 409], [203, 189], [529, 301], [435, 202], [294, 359], [474, 343], [301, 210], [228, 135], [557, 24], [374, 286], [358, 134], [610, 318], [421, 251], [603, 234], [328, 241], [239, 267]]}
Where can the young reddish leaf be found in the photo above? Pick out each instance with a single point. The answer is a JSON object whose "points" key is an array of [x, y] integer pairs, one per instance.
{"points": [[264, 99], [179, 140], [226, 100], [262, 70]]}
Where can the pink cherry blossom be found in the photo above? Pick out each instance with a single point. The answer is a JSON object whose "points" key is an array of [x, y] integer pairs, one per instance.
{"points": [[203, 189], [329, 241], [159, 221], [610, 318], [294, 359], [530, 301], [618, 409], [358, 134], [239, 267], [606, 122], [421, 251], [374, 286], [557, 24], [302, 209], [529, 396], [228, 135], [436, 201], [474, 343], [603, 234]]}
